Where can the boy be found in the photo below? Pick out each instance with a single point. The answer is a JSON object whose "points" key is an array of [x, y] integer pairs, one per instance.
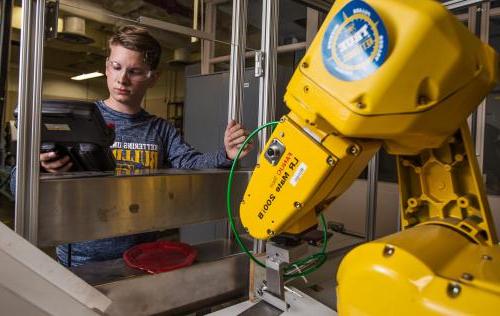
{"points": [[131, 69]]}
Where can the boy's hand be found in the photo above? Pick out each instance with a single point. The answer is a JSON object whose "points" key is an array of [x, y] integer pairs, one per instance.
{"points": [[51, 162], [234, 137]]}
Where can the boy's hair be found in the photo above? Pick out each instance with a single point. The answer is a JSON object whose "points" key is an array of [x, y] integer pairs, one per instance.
{"points": [[138, 39]]}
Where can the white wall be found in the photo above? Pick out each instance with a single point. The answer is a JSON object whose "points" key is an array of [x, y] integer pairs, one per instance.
{"points": [[168, 88]]}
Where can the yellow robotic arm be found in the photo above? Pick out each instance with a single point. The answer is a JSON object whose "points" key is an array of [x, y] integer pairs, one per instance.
{"points": [[404, 75]]}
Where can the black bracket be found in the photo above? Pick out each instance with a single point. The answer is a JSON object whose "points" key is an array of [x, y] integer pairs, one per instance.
{"points": [[51, 19]]}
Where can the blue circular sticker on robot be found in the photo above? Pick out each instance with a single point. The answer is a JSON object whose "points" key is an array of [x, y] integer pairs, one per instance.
{"points": [[355, 43]]}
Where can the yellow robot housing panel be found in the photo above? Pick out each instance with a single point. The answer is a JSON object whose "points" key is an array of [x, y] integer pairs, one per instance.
{"points": [[429, 67]]}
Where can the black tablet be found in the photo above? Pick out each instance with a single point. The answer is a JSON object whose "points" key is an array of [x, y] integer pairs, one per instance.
{"points": [[77, 129]]}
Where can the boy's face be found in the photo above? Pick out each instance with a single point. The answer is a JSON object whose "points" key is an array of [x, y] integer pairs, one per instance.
{"points": [[128, 77]]}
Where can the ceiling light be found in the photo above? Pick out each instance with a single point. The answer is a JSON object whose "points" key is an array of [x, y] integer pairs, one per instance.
{"points": [[87, 76]]}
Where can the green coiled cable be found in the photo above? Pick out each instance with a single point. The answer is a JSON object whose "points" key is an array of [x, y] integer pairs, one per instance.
{"points": [[319, 258]]}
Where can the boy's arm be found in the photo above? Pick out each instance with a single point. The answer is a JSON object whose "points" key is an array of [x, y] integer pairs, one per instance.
{"points": [[182, 155]]}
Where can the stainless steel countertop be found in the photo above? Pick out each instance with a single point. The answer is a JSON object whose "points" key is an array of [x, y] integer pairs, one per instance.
{"points": [[89, 206]]}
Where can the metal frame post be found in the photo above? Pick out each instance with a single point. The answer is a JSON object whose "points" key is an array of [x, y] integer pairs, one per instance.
{"points": [[481, 110], [237, 67], [471, 25], [174, 28], [251, 54], [371, 214], [455, 4], [208, 47], [237, 63], [28, 133], [312, 25], [267, 82]]}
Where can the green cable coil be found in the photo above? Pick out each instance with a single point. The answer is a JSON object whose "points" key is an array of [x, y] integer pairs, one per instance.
{"points": [[318, 258]]}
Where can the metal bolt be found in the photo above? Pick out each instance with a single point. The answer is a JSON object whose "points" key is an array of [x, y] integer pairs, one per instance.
{"points": [[360, 105], [412, 202], [353, 150], [453, 290], [297, 205], [282, 134], [388, 251], [486, 257], [306, 89], [282, 119], [270, 232], [305, 65], [330, 161], [463, 201], [467, 276]]}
